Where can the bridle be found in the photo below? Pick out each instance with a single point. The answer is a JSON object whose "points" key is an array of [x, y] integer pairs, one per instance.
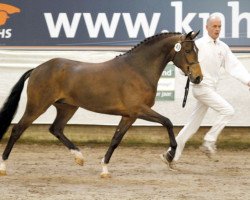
{"points": [[177, 49]]}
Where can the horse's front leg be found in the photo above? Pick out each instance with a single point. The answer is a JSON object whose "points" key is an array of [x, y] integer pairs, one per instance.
{"points": [[150, 115], [122, 128]]}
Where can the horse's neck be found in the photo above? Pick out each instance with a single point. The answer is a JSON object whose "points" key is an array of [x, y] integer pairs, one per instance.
{"points": [[151, 60]]}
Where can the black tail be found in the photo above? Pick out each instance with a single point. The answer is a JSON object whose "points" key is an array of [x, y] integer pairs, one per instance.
{"points": [[9, 108]]}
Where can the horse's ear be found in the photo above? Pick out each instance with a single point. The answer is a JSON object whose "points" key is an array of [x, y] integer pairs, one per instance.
{"points": [[189, 34], [192, 34]]}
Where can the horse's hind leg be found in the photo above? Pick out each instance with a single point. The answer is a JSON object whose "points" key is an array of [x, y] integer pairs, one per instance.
{"points": [[31, 113], [64, 113], [122, 128]]}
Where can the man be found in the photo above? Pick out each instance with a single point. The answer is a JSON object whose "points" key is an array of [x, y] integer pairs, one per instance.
{"points": [[213, 54]]}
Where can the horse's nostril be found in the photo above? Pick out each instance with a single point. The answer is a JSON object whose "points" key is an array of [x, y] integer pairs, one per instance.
{"points": [[198, 79]]}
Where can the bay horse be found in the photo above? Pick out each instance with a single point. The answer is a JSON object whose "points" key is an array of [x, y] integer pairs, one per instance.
{"points": [[125, 86]]}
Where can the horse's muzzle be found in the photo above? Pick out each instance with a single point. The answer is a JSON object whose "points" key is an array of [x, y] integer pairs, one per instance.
{"points": [[197, 80]]}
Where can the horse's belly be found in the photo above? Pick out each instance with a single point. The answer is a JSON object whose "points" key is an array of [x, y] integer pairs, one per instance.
{"points": [[97, 102]]}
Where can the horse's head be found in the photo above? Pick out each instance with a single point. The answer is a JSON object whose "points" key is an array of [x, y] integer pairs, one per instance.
{"points": [[186, 57]]}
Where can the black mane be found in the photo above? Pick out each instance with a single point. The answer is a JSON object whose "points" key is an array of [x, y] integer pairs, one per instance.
{"points": [[150, 40]]}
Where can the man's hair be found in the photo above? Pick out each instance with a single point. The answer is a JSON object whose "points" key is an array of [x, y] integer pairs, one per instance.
{"points": [[213, 16]]}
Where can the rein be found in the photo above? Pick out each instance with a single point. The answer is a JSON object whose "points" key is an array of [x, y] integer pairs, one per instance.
{"points": [[186, 93], [177, 49]]}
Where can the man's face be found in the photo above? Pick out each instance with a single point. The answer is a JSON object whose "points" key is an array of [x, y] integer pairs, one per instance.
{"points": [[214, 27]]}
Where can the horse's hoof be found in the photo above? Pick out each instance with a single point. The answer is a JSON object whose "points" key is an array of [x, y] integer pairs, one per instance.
{"points": [[79, 161], [3, 173], [170, 164], [105, 175], [78, 156]]}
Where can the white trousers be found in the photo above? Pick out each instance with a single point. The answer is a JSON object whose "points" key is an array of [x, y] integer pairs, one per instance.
{"points": [[207, 97]]}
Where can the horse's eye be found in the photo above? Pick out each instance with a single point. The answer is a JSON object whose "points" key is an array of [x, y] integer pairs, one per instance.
{"points": [[187, 51]]}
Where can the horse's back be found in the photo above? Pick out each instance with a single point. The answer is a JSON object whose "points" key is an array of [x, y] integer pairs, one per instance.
{"points": [[74, 82]]}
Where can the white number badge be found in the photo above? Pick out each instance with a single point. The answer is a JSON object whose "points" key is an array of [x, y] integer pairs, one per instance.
{"points": [[177, 47]]}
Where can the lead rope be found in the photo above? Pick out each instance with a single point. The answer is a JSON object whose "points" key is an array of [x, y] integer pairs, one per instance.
{"points": [[186, 93]]}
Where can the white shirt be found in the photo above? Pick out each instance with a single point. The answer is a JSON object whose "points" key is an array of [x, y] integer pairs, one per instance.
{"points": [[214, 55]]}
